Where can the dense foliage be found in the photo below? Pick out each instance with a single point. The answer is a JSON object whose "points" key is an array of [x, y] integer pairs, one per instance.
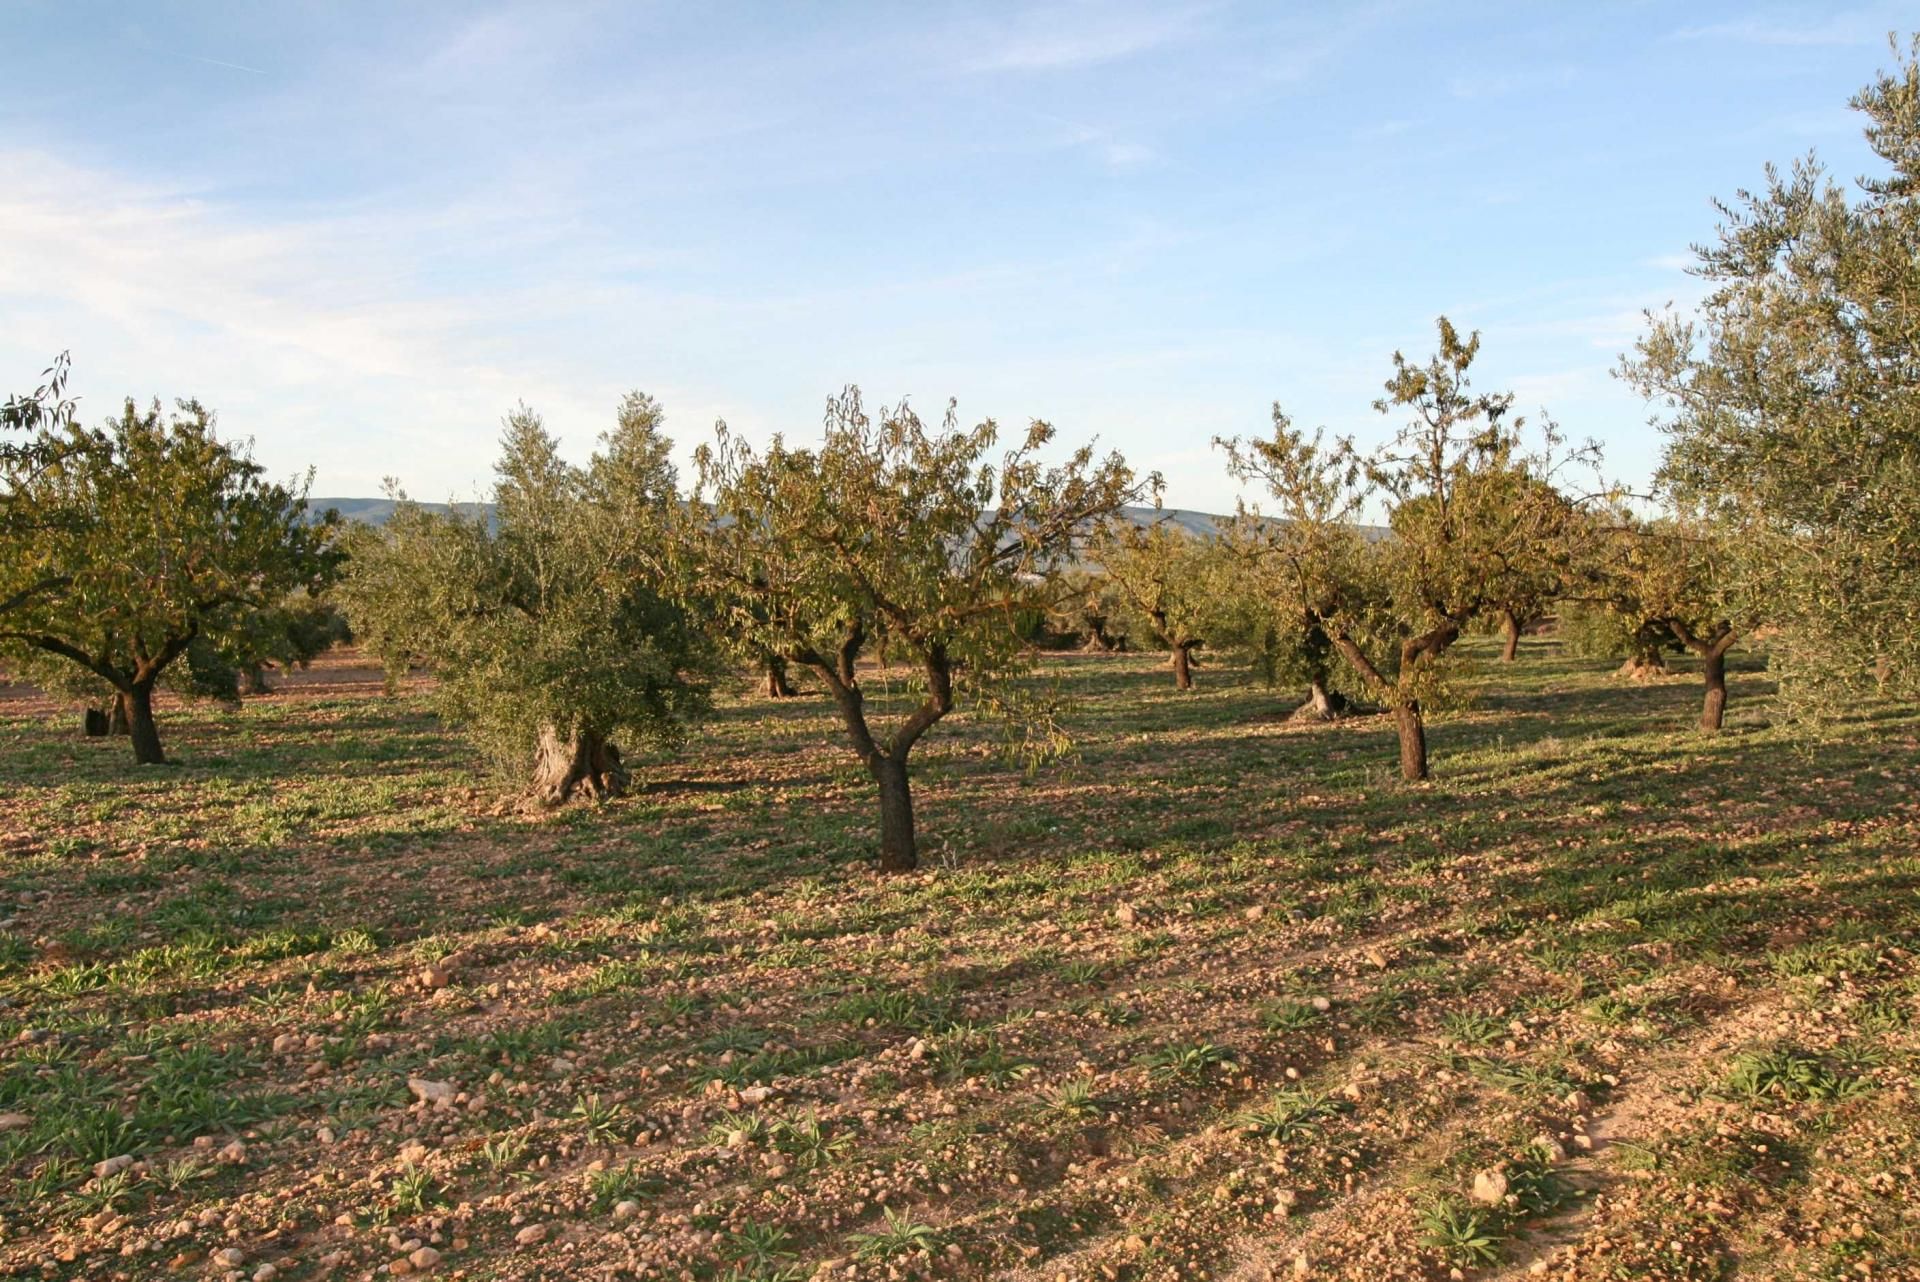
{"points": [[1792, 399], [551, 627]]}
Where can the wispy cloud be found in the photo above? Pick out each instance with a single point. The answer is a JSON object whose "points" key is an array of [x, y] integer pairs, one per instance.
{"points": [[1112, 151], [1058, 37], [231, 66], [1839, 29]]}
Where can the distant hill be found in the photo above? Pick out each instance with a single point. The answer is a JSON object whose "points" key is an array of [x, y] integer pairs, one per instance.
{"points": [[376, 511]]}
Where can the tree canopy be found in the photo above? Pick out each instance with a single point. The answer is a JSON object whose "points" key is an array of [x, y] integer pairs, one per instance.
{"points": [[144, 538], [893, 529], [1467, 507]]}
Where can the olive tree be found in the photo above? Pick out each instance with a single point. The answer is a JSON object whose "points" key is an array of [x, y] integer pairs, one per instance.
{"points": [[1458, 525], [1792, 406], [550, 623], [890, 527], [155, 536]]}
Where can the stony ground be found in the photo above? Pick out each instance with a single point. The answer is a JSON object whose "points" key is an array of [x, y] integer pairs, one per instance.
{"points": [[1219, 999]]}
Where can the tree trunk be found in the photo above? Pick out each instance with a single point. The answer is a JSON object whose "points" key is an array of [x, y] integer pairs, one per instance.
{"points": [[1322, 704], [778, 686], [566, 767], [1511, 624], [146, 735], [1643, 667], [1413, 739], [1098, 642], [1715, 664], [119, 719], [1183, 667], [95, 723], [897, 849], [253, 681]]}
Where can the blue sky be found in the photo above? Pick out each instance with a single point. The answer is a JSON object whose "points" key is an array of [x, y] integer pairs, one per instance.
{"points": [[362, 232]]}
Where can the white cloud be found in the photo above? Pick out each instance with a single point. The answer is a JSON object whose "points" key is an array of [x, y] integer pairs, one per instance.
{"points": [[1057, 37], [310, 333]]}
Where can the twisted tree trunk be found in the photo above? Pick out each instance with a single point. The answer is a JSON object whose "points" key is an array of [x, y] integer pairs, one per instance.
{"points": [[1643, 666], [778, 687], [1324, 704], [582, 764]]}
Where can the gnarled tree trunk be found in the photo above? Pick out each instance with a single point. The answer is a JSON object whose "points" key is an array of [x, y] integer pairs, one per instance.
{"points": [[1643, 667], [778, 687], [569, 766], [1098, 642], [1322, 704], [1510, 626], [119, 720]]}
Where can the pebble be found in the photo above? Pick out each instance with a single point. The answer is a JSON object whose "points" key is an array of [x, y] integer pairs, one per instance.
{"points": [[1490, 1187], [231, 1257], [287, 1042], [439, 1094], [531, 1234], [234, 1154], [14, 1121], [424, 1258], [265, 1273], [112, 1166], [626, 1210]]}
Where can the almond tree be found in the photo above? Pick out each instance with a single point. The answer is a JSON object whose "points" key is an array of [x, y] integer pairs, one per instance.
{"points": [[889, 527], [551, 627], [1459, 526], [1165, 576], [156, 535], [34, 428], [1664, 583]]}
